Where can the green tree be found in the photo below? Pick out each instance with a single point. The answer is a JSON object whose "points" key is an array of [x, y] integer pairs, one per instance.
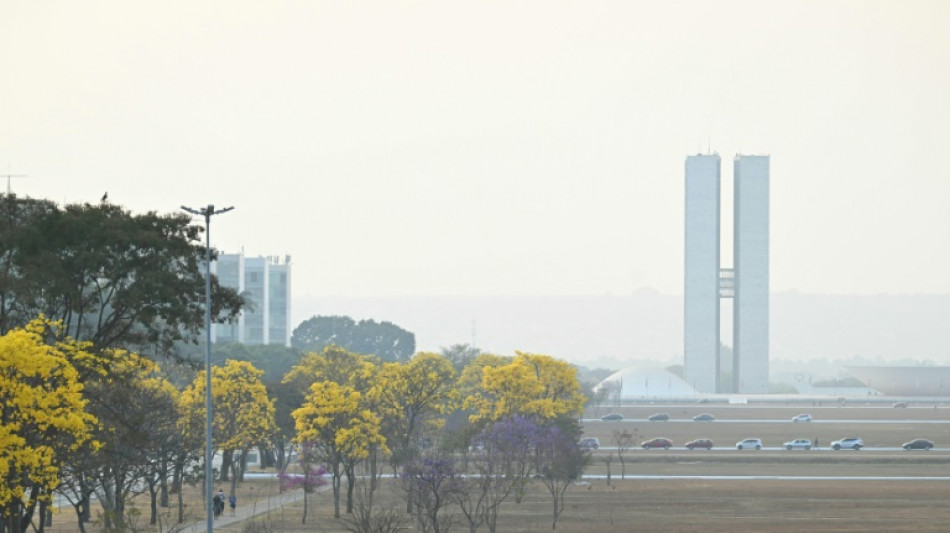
{"points": [[113, 278], [43, 419], [460, 355], [137, 410], [385, 340]]}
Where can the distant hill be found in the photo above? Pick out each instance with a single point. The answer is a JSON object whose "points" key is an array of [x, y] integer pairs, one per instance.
{"points": [[613, 331]]}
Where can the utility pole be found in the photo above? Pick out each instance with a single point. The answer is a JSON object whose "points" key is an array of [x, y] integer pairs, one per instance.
{"points": [[8, 176], [207, 213]]}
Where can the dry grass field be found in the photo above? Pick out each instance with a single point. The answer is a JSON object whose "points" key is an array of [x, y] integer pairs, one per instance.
{"points": [[678, 505], [759, 501]]}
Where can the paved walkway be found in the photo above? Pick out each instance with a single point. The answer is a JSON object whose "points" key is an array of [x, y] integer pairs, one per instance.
{"points": [[248, 510]]}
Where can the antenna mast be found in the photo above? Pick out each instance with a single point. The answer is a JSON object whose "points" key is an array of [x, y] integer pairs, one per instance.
{"points": [[8, 176]]}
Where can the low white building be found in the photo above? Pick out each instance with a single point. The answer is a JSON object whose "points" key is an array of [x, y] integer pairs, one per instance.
{"points": [[645, 384]]}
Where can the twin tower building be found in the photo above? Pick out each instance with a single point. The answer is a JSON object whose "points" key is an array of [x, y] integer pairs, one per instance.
{"points": [[708, 282]]}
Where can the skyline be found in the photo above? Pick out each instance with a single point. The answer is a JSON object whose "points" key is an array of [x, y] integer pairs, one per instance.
{"points": [[467, 148]]}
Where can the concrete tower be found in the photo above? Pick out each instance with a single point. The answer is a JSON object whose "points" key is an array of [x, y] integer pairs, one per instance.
{"points": [[747, 281], [751, 263], [701, 290]]}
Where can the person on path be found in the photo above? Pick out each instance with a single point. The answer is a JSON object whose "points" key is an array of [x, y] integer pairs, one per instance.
{"points": [[216, 505], [232, 501]]}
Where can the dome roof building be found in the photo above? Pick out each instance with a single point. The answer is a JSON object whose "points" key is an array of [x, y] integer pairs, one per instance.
{"points": [[645, 383]]}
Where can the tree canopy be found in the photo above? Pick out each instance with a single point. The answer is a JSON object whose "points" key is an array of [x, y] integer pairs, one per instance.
{"points": [[113, 278], [385, 340], [43, 419], [531, 385], [242, 413]]}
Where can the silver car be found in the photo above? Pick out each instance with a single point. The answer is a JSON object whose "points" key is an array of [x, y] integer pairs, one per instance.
{"points": [[849, 443], [749, 444], [798, 444]]}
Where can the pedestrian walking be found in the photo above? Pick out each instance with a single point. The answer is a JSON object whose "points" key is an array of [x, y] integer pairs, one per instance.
{"points": [[232, 501]]}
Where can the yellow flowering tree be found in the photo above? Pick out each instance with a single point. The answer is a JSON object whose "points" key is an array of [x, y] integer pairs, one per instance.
{"points": [[532, 385], [43, 419], [336, 425], [335, 364], [470, 380], [243, 414], [411, 397]]}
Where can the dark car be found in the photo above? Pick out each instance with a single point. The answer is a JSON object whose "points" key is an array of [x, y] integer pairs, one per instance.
{"points": [[611, 417], [699, 443], [705, 417], [918, 444], [659, 417], [659, 442]]}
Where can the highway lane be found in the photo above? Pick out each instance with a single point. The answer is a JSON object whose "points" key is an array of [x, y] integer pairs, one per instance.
{"points": [[762, 421], [732, 448]]}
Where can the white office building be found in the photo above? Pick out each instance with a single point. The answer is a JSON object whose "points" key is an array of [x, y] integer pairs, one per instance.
{"points": [[265, 283]]}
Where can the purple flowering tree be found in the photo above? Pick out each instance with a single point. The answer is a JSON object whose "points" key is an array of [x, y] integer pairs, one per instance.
{"points": [[431, 485], [314, 476], [560, 462], [502, 467]]}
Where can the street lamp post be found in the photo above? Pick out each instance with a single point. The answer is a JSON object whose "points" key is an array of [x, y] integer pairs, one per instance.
{"points": [[207, 212]]}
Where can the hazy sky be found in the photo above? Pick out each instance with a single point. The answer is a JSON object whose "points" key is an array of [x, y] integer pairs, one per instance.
{"points": [[529, 147]]}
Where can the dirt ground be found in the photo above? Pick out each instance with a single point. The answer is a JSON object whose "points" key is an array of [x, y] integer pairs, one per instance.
{"points": [[668, 503], [678, 505]]}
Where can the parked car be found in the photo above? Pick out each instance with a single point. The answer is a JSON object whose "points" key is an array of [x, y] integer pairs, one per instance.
{"points": [[659, 442], [853, 443], [798, 444], [899, 404], [659, 417], [612, 416], [804, 417], [749, 444], [918, 444], [704, 417], [590, 443], [699, 443]]}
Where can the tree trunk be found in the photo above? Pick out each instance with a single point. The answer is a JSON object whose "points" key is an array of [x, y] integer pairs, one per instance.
{"points": [[82, 524], [336, 494], [350, 481], [227, 457], [46, 517], [181, 506], [163, 484], [153, 501]]}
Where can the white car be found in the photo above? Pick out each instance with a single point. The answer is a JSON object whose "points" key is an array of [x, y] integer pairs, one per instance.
{"points": [[798, 444], [749, 444], [851, 443], [804, 417], [590, 443]]}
